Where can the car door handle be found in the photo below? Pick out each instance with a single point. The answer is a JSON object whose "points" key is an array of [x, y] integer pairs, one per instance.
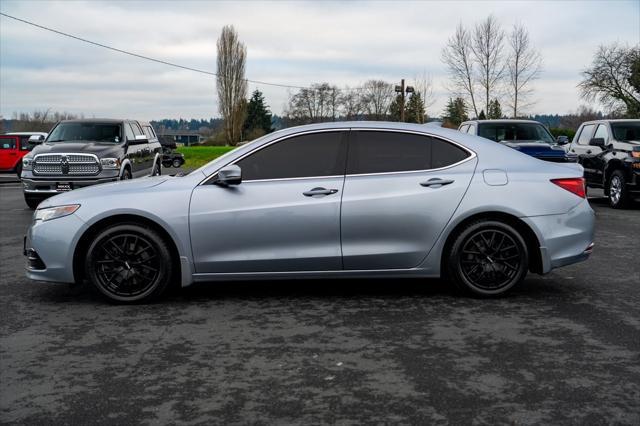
{"points": [[319, 191], [437, 182], [588, 151]]}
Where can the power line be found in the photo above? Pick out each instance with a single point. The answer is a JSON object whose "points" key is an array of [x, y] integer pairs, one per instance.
{"points": [[288, 86]]}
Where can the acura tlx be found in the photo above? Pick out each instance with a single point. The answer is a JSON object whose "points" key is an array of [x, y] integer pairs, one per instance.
{"points": [[348, 199]]}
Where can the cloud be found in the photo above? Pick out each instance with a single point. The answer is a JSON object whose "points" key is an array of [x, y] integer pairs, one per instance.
{"points": [[297, 43]]}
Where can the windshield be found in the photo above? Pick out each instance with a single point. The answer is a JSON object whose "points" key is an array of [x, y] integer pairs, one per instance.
{"points": [[99, 132], [626, 132], [513, 132]]}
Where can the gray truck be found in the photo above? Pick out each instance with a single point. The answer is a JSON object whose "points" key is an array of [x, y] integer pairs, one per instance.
{"points": [[79, 153]]}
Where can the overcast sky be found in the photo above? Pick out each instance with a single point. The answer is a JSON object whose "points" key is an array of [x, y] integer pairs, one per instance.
{"points": [[297, 43]]}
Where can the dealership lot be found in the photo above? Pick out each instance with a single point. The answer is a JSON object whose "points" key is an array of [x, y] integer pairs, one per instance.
{"points": [[561, 348]]}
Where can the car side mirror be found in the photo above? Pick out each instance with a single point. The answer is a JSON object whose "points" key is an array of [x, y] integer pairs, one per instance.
{"points": [[560, 140], [35, 139], [229, 175], [597, 142]]}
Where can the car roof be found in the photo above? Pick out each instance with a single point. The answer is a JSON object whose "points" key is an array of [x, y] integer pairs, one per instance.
{"points": [[499, 121], [96, 120], [613, 120]]}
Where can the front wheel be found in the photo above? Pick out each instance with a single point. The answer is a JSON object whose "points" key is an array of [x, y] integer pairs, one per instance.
{"points": [[129, 263], [19, 169], [126, 174], [488, 258], [177, 163], [618, 192]]}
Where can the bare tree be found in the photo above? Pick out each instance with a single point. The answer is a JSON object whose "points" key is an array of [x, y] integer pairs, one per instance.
{"points": [[457, 55], [316, 104], [231, 83], [377, 96], [524, 66], [487, 45], [614, 79], [351, 103], [423, 84]]}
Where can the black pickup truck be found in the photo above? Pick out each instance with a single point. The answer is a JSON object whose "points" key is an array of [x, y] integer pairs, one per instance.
{"points": [[609, 151], [79, 153]]}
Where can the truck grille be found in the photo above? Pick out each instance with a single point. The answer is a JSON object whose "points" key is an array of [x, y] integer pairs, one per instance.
{"points": [[66, 165]]}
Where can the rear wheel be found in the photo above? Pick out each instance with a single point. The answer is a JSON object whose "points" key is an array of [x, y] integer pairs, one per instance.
{"points": [[488, 258], [177, 163], [618, 193], [129, 263]]}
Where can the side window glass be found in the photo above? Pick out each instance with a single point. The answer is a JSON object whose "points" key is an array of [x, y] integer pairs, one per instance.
{"points": [[602, 132], [136, 129], [585, 134], [128, 132], [464, 128], [311, 155], [7, 143], [472, 129], [444, 154], [24, 143]]}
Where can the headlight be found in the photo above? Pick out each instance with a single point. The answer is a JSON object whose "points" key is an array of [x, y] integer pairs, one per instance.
{"points": [[27, 163], [110, 163], [55, 212]]}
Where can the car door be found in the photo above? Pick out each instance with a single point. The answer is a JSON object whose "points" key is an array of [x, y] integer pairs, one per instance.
{"points": [[8, 152], [586, 153], [400, 191], [145, 155], [284, 216], [597, 158]]}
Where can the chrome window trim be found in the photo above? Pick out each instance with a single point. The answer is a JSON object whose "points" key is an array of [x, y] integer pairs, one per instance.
{"points": [[472, 154]]}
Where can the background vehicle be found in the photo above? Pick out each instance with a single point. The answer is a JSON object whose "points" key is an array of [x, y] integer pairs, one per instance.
{"points": [[14, 146], [527, 136], [79, 153], [609, 151], [171, 158], [359, 199]]}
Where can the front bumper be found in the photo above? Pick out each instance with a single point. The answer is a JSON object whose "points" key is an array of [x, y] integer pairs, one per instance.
{"points": [[49, 185], [49, 247], [564, 238]]}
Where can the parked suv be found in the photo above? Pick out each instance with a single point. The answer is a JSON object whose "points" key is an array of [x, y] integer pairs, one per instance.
{"points": [[527, 136], [14, 146], [609, 151], [79, 153]]}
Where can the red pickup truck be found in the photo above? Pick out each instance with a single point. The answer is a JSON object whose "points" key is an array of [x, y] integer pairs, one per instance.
{"points": [[14, 146]]}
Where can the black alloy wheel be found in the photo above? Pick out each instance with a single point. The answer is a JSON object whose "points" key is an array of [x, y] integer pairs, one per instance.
{"points": [[488, 258], [129, 263]]}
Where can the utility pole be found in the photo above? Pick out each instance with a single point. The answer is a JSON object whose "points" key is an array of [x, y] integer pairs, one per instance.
{"points": [[402, 90]]}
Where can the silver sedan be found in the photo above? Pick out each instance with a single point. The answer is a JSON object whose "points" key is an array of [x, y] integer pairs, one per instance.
{"points": [[351, 199]]}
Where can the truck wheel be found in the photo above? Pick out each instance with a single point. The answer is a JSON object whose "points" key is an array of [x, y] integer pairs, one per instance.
{"points": [[618, 192], [177, 163], [19, 169], [32, 201], [126, 175]]}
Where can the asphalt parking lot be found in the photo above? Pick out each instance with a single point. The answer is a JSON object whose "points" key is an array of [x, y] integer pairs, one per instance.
{"points": [[562, 348]]}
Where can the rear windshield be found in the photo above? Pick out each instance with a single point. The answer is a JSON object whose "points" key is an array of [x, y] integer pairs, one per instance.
{"points": [[514, 132], [98, 132], [629, 131]]}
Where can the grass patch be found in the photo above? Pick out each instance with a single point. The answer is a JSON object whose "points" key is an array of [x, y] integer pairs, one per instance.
{"points": [[196, 156]]}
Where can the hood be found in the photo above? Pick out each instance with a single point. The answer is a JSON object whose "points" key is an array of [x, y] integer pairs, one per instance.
{"points": [[538, 149], [101, 149], [129, 186]]}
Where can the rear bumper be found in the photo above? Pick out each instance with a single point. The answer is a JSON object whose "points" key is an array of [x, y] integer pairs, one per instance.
{"points": [[564, 238]]}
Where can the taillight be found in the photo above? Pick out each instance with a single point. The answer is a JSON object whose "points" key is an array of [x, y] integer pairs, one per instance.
{"points": [[574, 185]]}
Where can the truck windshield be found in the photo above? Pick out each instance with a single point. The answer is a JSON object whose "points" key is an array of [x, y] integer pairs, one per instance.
{"points": [[514, 132], [99, 132], [626, 131]]}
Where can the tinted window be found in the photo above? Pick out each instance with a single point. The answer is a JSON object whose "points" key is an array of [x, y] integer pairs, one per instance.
{"points": [[626, 131], [100, 132], [317, 154], [382, 152], [7, 143], [24, 143], [513, 132], [602, 132], [585, 134]]}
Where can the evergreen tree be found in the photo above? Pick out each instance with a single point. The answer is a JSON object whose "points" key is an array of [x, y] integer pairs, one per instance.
{"points": [[394, 108], [495, 111], [258, 121], [455, 112], [482, 115], [414, 112]]}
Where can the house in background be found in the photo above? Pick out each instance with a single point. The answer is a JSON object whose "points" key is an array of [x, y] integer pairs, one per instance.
{"points": [[180, 137]]}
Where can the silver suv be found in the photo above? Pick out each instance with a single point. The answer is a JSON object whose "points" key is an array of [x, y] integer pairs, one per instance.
{"points": [[79, 153]]}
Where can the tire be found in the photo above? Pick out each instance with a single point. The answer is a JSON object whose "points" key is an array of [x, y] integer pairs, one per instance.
{"points": [[19, 169], [126, 174], [129, 263], [32, 201], [177, 163], [618, 192], [487, 258]]}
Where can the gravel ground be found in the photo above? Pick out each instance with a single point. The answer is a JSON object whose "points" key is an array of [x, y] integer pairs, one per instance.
{"points": [[563, 348]]}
